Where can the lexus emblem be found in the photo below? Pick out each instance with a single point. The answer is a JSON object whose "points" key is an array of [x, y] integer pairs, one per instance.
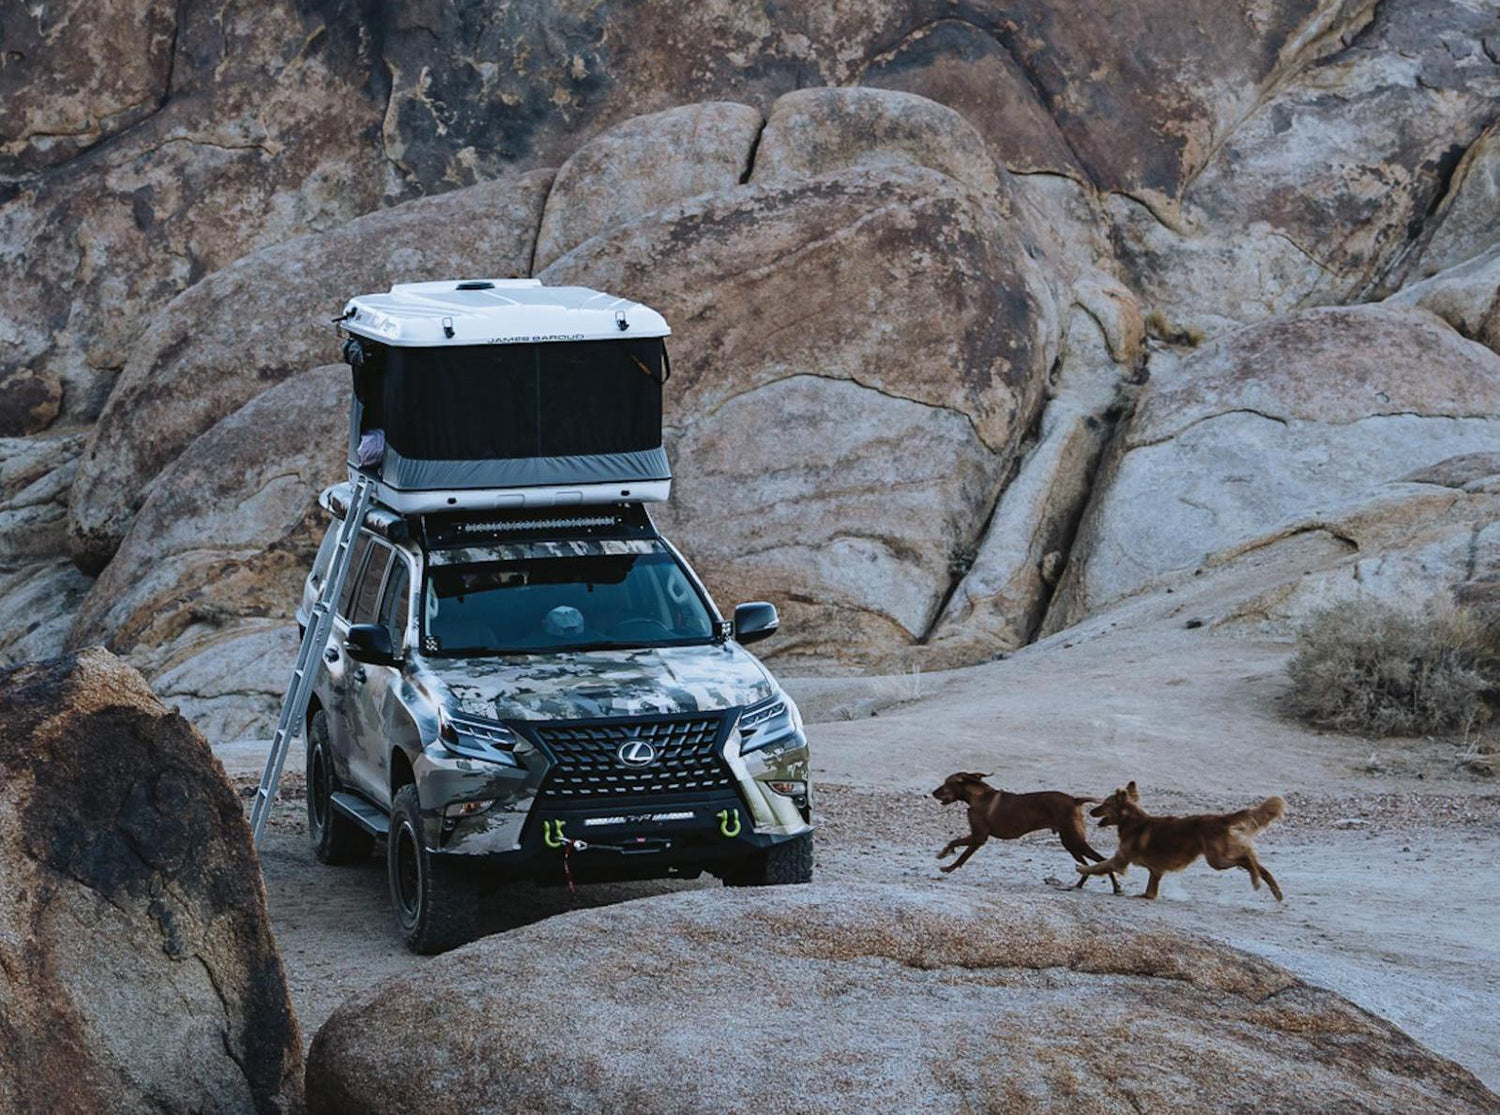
{"points": [[636, 753]]}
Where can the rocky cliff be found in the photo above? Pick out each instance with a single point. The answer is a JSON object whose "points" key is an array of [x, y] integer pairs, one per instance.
{"points": [[987, 316]]}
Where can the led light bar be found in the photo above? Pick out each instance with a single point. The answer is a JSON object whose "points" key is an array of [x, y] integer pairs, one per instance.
{"points": [[502, 526]]}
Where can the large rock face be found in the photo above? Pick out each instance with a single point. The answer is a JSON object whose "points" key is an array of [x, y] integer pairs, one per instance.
{"points": [[233, 335], [76, 73], [137, 968], [870, 487], [818, 131], [249, 125], [40, 590], [1329, 186], [38, 603], [1310, 423], [645, 164], [36, 475], [1466, 296], [230, 527], [201, 594], [1002, 598], [910, 250], [857, 998], [1135, 97], [1468, 217], [213, 132], [863, 424]]}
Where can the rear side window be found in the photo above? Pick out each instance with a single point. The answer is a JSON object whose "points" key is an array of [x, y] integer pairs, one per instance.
{"points": [[395, 605], [366, 603], [356, 564]]}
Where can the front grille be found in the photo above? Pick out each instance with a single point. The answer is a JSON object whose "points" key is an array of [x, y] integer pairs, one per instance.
{"points": [[587, 764]]}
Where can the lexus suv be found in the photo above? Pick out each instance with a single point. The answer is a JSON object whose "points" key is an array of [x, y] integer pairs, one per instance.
{"points": [[543, 695]]}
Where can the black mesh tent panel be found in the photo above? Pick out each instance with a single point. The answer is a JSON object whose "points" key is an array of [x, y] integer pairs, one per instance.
{"points": [[508, 402], [463, 403], [599, 397]]}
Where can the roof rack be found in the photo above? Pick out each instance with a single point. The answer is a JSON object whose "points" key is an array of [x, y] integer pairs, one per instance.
{"points": [[443, 530], [337, 498]]}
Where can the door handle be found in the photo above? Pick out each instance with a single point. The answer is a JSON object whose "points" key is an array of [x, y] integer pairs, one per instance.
{"points": [[331, 654], [359, 676]]}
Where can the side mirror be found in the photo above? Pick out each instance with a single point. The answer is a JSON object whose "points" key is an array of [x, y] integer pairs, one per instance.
{"points": [[754, 622], [370, 643]]}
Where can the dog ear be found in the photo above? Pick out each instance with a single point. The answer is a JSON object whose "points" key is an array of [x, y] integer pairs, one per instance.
{"points": [[1131, 792]]}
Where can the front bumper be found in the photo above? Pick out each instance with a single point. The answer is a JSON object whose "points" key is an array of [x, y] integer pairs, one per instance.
{"points": [[636, 840], [527, 833]]}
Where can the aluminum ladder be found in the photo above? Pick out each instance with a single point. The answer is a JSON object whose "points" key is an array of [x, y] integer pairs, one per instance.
{"points": [[314, 639]]}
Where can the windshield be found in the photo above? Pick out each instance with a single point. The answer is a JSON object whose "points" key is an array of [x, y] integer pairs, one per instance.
{"points": [[553, 603]]}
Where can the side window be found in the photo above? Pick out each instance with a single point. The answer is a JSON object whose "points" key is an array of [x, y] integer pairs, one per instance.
{"points": [[367, 601], [356, 564], [396, 604]]}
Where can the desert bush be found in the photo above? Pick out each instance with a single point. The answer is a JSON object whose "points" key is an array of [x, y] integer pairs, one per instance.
{"points": [[1384, 671]]}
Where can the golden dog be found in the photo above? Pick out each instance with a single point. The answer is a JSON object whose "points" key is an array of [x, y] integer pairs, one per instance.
{"points": [[1162, 844]]}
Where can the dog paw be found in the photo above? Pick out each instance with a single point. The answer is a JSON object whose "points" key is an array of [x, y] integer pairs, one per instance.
{"points": [[948, 869], [1082, 870]]}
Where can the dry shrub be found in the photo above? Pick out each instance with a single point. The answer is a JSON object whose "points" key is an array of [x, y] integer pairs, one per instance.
{"points": [[1379, 670]]}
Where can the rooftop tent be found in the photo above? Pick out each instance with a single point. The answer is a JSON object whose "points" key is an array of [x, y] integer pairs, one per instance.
{"points": [[560, 402]]}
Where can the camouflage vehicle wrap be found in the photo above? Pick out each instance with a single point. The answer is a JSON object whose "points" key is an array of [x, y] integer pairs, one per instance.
{"points": [[478, 737], [586, 547], [603, 683]]}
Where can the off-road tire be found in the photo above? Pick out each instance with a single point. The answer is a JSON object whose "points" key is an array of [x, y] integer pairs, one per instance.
{"points": [[779, 865], [335, 838], [435, 902]]}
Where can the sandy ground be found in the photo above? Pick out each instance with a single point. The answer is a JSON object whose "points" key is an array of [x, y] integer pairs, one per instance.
{"points": [[1386, 854]]}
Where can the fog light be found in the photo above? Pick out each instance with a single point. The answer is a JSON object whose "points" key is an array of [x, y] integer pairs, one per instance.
{"points": [[787, 787], [467, 809]]}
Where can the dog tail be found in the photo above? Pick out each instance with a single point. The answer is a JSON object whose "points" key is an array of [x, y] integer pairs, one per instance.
{"points": [[1259, 817]]}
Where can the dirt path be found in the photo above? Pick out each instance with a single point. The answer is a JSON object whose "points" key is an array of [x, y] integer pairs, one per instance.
{"points": [[1387, 863], [1395, 919]]}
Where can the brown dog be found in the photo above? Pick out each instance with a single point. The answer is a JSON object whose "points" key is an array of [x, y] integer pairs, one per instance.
{"points": [[1007, 816], [1162, 844]]}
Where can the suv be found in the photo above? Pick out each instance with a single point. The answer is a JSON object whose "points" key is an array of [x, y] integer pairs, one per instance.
{"points": [[545, 695]]}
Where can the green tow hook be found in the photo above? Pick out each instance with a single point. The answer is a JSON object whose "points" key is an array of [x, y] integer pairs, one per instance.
{"points": [[729, 823], [552, 834]]}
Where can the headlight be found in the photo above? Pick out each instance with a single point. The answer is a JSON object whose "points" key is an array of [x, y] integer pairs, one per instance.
{"points": [[477, 739], [767, 721]]}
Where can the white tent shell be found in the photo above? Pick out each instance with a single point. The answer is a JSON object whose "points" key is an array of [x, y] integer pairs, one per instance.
{"points": [[497, 312]]}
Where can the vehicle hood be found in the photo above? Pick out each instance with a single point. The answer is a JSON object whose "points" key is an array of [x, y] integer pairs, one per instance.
{"points": [[602, 683]]}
